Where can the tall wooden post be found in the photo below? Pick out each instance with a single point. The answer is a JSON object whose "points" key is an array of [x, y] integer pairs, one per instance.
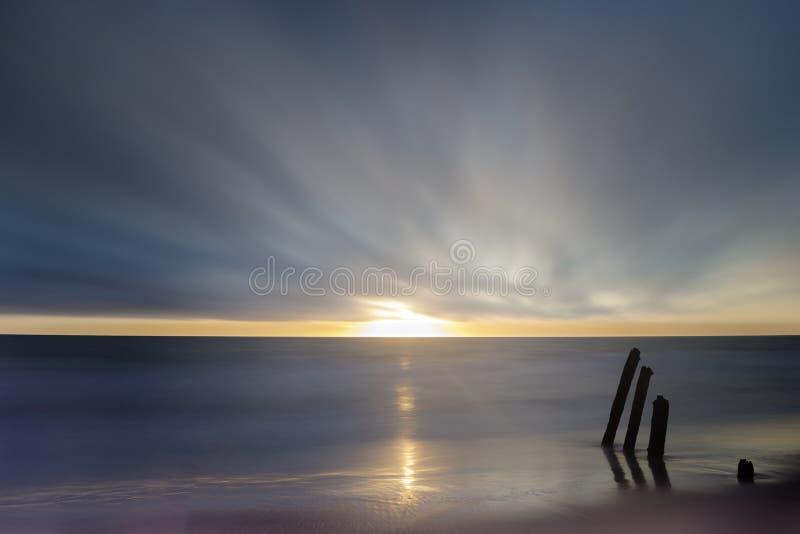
{"points": [[636, 408], [658, 428], [619, 401]]}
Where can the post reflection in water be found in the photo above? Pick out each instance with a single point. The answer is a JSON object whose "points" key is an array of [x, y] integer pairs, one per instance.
{"points": [[660, 475], [616, 469], [636, 470], [657, 467]]}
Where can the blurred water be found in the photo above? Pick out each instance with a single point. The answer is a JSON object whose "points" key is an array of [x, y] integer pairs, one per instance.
{"points": [[391, 426]]}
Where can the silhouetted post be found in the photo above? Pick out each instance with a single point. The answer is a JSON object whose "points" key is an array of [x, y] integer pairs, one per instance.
{"points": [[619, 401], [746, 473], [658, 427], [636, 408]]}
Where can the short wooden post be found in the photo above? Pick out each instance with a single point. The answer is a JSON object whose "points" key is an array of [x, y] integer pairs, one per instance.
{"points": [[658, 428]]}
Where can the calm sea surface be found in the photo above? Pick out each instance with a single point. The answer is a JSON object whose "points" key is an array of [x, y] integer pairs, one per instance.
{"points": [[389, 427]]}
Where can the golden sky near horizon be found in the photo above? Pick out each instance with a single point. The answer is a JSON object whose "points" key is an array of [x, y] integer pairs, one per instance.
{"points": [[418, 327]]}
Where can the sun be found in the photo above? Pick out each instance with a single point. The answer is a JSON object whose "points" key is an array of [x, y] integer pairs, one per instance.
{"points": [[403, 328], [397, 320]]}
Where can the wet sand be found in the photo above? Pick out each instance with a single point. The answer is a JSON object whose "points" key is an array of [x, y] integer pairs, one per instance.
{"points": [[759, 507]]}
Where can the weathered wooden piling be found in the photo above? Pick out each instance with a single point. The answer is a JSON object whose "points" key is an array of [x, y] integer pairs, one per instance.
{"points": [[636, 408], [619, 401], [658, 428]]}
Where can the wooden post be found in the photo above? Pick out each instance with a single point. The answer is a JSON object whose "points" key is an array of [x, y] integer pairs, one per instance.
{"points": [[619, 401], [636, 408], [658, 428]]}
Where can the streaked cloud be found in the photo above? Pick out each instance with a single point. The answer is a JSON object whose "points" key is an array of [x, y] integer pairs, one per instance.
{"points": [[642, 158]]}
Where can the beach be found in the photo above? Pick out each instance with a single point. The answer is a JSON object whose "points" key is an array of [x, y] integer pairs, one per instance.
{"points": [[771, 508], [374, 435]]}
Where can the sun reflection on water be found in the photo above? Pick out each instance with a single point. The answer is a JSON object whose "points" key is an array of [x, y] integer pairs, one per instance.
{"points": [[406, 403], [408, 449]]}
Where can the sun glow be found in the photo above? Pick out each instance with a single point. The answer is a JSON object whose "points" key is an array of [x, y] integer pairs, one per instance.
{"points": [[397, 320]]}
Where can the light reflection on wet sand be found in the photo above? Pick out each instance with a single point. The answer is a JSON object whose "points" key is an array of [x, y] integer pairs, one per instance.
{"points": [[406, 404], [396, 481]]}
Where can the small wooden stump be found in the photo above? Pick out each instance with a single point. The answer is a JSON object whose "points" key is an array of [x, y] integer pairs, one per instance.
{"points": [[745, 473]]}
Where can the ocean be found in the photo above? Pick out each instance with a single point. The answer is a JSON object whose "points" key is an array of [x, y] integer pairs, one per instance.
{"points": [[393, 429]]}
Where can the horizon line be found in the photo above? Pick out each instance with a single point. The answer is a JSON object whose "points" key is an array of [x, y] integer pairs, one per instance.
{"points": [[489, 328], [270, 336]]}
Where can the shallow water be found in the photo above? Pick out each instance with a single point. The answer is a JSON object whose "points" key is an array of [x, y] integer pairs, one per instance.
{"points": [[391, 428]]}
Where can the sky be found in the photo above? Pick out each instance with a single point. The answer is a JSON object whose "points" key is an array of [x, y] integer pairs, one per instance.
{"points": [[640, 158]]}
